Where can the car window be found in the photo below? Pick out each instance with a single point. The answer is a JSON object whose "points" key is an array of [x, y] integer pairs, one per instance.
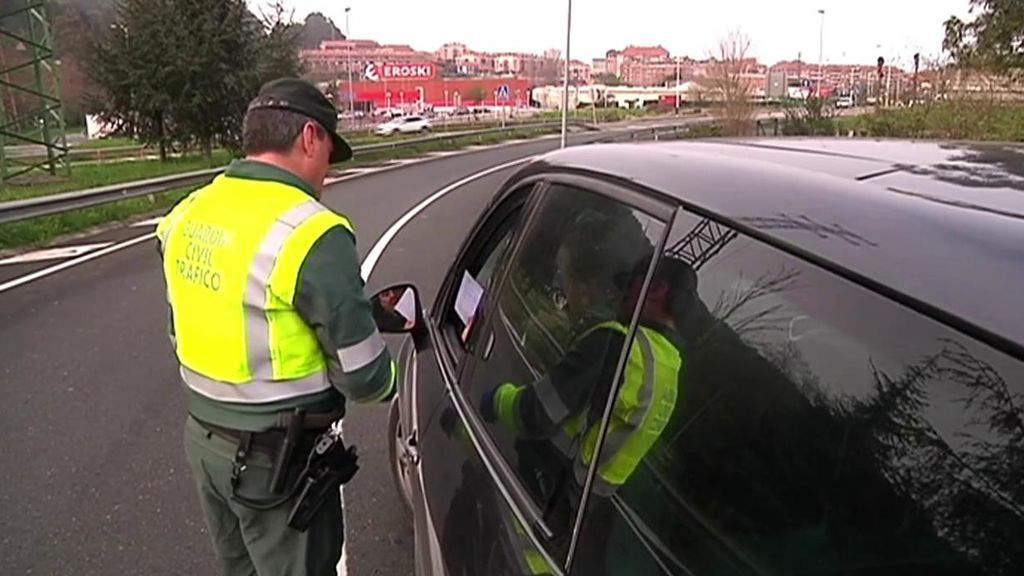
{"points": [[475, 274], [556, 333], [819, 428]]}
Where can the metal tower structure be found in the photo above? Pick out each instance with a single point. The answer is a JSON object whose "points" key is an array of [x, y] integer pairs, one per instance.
{"points": [[32, 131], [701, 243]]}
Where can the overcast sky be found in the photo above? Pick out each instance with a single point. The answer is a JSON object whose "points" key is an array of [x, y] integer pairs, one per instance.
{"points": [[778, 29]]}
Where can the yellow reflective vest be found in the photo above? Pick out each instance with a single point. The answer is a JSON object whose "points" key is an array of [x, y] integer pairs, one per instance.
{"points": [[643, 407], [231, 258]]}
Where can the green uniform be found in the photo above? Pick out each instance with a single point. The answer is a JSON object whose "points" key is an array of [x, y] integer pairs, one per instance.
{"points": [[267, 315]]}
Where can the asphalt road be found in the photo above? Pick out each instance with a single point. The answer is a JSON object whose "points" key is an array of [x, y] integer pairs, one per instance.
{"points": [[91, 422]]}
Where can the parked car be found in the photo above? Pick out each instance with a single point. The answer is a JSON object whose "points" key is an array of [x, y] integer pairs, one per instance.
{"points": [[403, 125], [844, 102], [723, 358]]}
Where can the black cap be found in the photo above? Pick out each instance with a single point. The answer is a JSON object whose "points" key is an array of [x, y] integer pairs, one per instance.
{"points": [[302, 97], [673, 271]]}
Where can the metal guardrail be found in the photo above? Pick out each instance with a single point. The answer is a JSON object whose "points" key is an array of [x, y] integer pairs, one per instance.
{"points": [[29, 208], [18, 210]]}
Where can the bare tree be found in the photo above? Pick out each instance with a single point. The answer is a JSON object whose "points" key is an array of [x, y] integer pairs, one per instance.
{"points": [[728, 85]]}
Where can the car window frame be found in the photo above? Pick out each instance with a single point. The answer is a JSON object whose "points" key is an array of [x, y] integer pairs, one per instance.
{"points": [[520, 199], [503, 476]]}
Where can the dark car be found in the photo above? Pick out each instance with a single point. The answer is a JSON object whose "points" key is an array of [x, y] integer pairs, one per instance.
{"points": [[734, 357]]}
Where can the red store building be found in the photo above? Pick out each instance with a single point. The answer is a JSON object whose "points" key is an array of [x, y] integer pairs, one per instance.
{"points": [[397, 85]]}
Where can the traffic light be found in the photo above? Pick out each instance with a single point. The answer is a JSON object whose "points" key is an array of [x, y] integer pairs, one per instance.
{"points": [[881, 66]]}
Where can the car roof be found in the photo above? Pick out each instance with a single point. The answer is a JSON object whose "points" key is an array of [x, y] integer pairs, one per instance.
{"points": [[937, 225]]}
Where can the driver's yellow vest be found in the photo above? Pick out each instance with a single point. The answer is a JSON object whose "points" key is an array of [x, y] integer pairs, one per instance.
{"points": [[231, 258], [642, 409]]}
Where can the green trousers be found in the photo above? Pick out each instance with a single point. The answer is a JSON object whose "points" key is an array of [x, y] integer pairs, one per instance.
{"points": [[247, 541]]}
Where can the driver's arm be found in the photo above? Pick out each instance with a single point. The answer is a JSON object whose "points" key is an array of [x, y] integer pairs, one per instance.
{"points": [[540, 409]]}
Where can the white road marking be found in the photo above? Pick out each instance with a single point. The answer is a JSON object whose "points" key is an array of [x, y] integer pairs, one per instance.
{"points": [[74, 262], [54, 253], [151, 222], [375, 253]]}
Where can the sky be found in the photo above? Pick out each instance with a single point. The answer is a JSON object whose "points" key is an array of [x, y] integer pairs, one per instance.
{"points": [[778, 29]]}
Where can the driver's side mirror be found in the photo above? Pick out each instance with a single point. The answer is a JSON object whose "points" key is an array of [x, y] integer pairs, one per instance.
{"points": [[397, 309]]}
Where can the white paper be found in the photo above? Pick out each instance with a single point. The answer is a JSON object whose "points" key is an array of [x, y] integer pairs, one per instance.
{"points": [[407, 305], [470, 293]]}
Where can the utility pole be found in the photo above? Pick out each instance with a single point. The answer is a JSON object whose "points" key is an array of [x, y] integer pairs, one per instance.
{"points": [[565, 81], [351, 88], [917, 68], [821, 49], [888, 85], [677, 85]]}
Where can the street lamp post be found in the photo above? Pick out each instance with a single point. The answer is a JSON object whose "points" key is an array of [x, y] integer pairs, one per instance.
{"points": [[351, 89], [677, 84], [821, 49], [565, 82]]}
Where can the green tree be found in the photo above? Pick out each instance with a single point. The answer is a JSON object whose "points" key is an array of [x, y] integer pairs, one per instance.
{"points": [[133, 65], [216, 71], [185, 70], [611, 79], [993, 40], [279, 46]]}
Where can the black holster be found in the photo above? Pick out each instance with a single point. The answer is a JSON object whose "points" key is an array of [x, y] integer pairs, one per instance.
{"points": [[331, 464]]}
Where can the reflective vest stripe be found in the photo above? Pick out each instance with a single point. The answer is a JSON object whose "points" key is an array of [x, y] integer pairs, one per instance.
{"points": [[256, 391], [622, 427], [361, 354], [257, 290], [550, 400], [390, 387]]}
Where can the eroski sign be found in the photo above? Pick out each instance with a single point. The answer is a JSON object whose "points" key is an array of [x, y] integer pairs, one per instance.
{"points": [[378, 72]]}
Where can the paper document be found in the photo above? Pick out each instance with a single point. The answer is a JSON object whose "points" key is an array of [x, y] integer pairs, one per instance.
{"points": [[407, 305], [470, 293]]}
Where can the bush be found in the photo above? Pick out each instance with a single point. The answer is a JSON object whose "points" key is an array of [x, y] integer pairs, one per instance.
{"points": [[953, 120], [811, 117]]}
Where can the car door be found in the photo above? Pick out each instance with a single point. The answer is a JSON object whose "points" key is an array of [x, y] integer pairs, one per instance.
{"points": [[822, 428], [525, 290]]}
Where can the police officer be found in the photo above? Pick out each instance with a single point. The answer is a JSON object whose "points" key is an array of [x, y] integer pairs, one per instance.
{"points": [[560, 405], [271, 327], [566, 405]]}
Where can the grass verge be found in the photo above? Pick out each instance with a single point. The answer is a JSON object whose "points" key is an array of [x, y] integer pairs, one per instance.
{"points": [[39, 231], [84, 176]]}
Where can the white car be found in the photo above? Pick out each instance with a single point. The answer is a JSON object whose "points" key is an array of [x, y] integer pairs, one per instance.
{"points": [[403, 125], [844, 102]]}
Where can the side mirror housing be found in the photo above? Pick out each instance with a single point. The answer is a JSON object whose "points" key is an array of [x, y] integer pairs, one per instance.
{"points": [[397, 309]]}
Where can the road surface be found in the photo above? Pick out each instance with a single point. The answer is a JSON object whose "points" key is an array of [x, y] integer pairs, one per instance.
{"points": [[91, 426]]}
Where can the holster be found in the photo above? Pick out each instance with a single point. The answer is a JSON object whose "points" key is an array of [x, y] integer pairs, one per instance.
{"points": [[331, 465]]}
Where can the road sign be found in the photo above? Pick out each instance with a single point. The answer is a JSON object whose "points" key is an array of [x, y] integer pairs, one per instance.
{"points": [[503, 92]]}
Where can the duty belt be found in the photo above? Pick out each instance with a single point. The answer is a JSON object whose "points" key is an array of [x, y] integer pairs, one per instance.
{"points": [[270, 440]]}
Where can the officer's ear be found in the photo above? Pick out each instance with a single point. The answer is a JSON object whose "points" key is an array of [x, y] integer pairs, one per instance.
{"points": [[310, 139]]}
